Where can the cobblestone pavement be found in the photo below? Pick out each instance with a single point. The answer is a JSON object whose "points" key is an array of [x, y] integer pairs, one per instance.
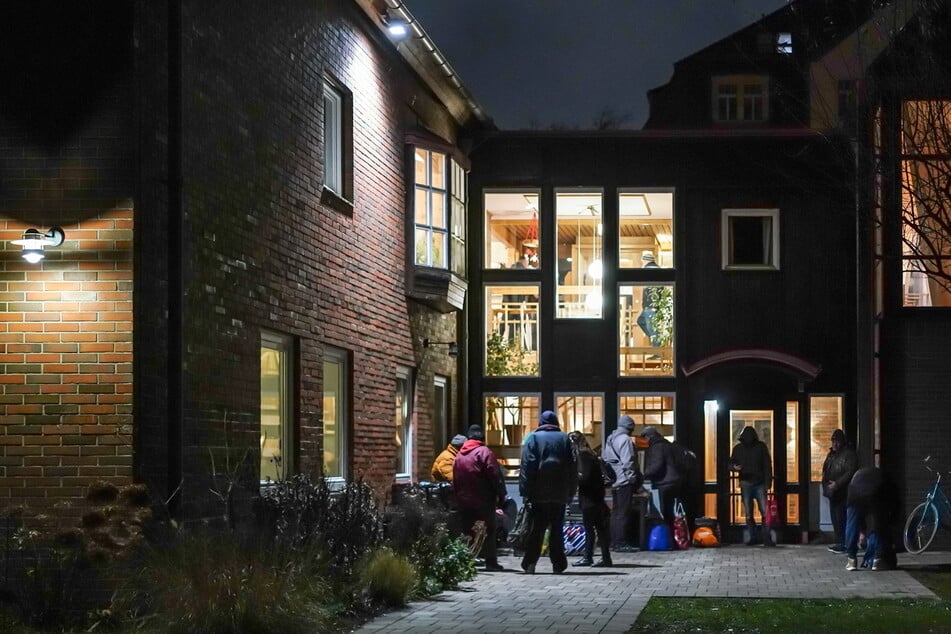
{"points": [[609, 600]]}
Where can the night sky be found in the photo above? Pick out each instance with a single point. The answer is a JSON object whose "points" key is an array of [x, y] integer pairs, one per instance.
{"points": [[538, 63]]}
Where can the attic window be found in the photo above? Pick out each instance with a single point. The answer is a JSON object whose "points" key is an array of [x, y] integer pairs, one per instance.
{"points": [[784, 43]]}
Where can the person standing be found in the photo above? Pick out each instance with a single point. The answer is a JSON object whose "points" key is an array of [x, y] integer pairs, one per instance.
{"points": [[442, 465], [661, 469], [837, 472], [618, 452], [752, 460], [547, 480], [479, 488], [649, 302], [872, 505], [594, 512]]}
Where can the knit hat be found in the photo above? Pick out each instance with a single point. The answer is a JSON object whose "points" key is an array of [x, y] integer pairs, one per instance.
{"points": [[626, 423], [647, 256], [458, 441], [840, 436], [548, 418], [475, 432], [649, 431]]}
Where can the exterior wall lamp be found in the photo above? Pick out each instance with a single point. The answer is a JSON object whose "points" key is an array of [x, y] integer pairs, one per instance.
{"points": [[33, 243], [396, 27], [452, 345]]}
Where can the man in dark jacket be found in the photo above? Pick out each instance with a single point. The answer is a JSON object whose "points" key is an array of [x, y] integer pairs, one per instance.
{"points": [[547, 480], [837, 471], [479, 488], [751, 458], [618, 452], [661, 469], [594, 512]]}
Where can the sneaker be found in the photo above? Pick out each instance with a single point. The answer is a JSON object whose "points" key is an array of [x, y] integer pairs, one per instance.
{"points": [[604, 563], [838, 549], [878, 564], [851, 564], [585, 561]]}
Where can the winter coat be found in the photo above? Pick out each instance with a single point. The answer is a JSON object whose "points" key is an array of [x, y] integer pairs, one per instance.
{"points": [[442, 466], [659, 465], [477, 478], [875, 497], [548, 473], [618, 452], [839, 467], [752, 456], [590, 480]]}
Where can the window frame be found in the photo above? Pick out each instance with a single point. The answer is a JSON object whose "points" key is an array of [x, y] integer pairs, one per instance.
{"points": [[337, 155], [341, 358], [404, 472], [285, 346], [726, 243], [741, 85], [455, 192]]}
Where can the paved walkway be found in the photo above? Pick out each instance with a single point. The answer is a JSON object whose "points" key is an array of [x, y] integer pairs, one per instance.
{"points": [[609, 600]]}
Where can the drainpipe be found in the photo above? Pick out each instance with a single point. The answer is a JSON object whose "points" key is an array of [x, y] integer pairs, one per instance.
{"points": [[176, 286]]}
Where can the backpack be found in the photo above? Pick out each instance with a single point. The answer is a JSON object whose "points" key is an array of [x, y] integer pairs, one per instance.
{"points": [[684, 460], [608, 474]]}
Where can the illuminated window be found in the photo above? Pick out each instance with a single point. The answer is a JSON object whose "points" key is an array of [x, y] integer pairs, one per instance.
{"points": [[511, 229], [336, 408], [784, 43], [583, 413], [277, 406], [710, 445], [440, 418], [580, 254], [403, 415], [825, 416], [645, 229], [646, 322], [649, 410], [439, 203], [750, 239], [509, 418], [926, 203], [511, 330], [338, 147], [740, 99]]}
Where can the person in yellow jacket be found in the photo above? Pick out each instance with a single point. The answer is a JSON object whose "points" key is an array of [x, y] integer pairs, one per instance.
{"points": [[442, 466]]}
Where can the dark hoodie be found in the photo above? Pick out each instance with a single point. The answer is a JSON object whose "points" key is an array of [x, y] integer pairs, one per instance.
{"points": [[751, 458], [659, 465], [476, 477]]}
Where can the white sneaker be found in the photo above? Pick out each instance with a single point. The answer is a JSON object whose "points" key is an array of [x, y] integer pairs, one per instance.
{"points": [[851, 564]]}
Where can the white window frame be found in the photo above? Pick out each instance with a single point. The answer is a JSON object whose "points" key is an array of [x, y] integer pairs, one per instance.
{"points": [[404, 466], [741, 85], [284, 346], [441, 411], [333, 138], [428, 190], [341, 359], [726, 243]]}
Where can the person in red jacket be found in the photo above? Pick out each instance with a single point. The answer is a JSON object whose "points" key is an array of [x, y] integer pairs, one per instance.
{"points": [[479, 489]]}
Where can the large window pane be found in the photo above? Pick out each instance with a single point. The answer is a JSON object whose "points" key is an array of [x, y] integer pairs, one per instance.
{"points": [[511, 330], [459, 193], [509, 418], [276, 406], [430, 208], [336, 412], [825, 416], [580, 253], [583, 413], [511, 229], [646, 322], [645, 230], [710, 442], [402, 414]]}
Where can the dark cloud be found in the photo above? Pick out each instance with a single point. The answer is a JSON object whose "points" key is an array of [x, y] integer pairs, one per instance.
{"points": [[543, 62]]}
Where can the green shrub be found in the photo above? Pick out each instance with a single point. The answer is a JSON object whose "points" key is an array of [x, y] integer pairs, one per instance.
{"points": [[389, 578], [454, 564]]}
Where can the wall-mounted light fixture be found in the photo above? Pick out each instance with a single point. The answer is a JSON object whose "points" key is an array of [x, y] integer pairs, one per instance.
{"points": [[33, 243], [397, 28], [452, 345]]}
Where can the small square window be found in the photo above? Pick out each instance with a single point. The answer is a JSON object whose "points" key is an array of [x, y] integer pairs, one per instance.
{"points": [[741, 99], [784, 43], [750, 239]]}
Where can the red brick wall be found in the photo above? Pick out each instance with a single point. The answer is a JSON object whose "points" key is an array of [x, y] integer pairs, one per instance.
{"points": [[66, 351]]}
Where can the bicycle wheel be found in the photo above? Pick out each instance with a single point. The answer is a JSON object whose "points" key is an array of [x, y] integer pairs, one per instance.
{"points": [[920, 528]]}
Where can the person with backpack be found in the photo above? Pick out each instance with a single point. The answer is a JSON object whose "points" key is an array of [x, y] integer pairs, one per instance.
{"points": [[547, 479], [752, 460], [660, 467], [594, 512], [618, 453]]}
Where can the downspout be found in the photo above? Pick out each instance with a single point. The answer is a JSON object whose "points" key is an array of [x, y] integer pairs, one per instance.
{"points": [[176, 286]]}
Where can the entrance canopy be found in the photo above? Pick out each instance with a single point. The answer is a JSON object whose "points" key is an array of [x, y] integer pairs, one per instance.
{"points": [[806, 370]]}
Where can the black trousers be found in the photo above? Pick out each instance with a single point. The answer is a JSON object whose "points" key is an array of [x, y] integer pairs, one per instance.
{"points": [[469, 516], [596, 518], [837, 511], [551, 516], [621, 522]]}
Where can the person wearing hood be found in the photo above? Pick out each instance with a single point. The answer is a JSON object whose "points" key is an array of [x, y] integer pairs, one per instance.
{"points": [[837, 472], [594, 512], [752, 460], [618, 452], [872, 506], [661, 469], [442, 465], [547, 479], [478, 488]]}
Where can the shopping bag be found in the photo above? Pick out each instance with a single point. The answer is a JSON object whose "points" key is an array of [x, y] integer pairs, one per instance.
{"points": [[772, 512], [681, 531], [518, 536], [574, 538]]}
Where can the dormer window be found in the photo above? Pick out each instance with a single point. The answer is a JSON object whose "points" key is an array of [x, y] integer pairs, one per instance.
{"points": [[740, 99], [784, 43]]}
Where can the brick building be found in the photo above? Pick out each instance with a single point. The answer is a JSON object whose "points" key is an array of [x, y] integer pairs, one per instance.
{"points": [[261, 230]]}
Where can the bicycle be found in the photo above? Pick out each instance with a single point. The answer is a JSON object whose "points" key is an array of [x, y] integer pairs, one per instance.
{"points": [[922, 523]]}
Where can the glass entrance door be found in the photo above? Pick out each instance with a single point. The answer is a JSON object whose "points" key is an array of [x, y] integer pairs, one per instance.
{"points": [[762, 421]]}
